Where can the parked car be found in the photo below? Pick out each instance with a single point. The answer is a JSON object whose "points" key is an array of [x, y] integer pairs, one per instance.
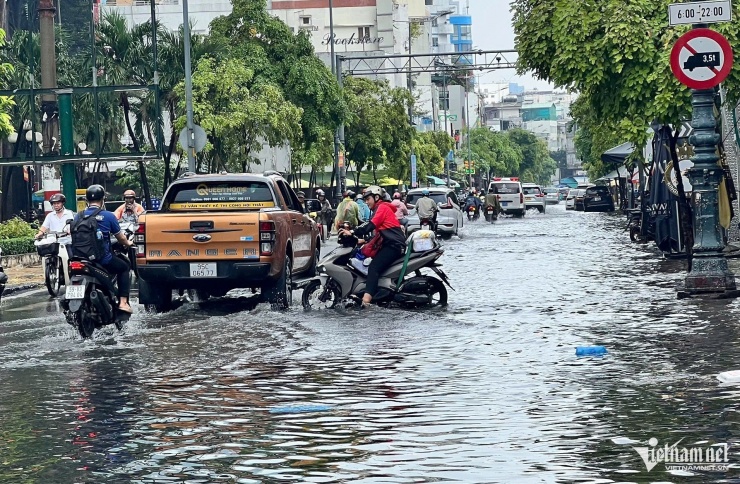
{"points": [[598, 199], [450, 217], [534, 197], [570, 200], [510, 195], [552, 196]]}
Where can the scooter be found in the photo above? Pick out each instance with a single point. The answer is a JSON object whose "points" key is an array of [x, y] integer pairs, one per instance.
{"points": [[491, 215], [338, 280], [3, 277], [473, 213], [90, 300]]}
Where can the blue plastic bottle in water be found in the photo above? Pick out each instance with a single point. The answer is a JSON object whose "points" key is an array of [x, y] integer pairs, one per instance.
{"points": [[590, 350]]}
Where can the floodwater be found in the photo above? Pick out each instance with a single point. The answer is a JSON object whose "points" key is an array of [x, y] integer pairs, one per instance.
{"points": [[489, 390]]}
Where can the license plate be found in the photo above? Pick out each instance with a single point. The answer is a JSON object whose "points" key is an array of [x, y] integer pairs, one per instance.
{"points": [[75, 292], [203, 270], [529, 199], [597, 199]]}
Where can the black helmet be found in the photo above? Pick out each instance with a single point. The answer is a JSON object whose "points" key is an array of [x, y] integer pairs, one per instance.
{"points": [[95, 193], [350, 194], [58, 197]]}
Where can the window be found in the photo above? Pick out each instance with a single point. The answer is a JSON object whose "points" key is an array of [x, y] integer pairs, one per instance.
{"points": [[444, 100], [435, 41], [363, 32], [305, 20], [230, 195], [505, 187], [434, 22], [428, 2], [437, 197], [289, 196]]}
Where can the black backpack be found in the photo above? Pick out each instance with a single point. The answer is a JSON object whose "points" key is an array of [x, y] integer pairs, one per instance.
{"points": [[85, 241]]}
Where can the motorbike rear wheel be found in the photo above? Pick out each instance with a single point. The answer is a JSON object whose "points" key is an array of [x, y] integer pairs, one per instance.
{"points": [[84, 322], [315, 296], [437, 294]]}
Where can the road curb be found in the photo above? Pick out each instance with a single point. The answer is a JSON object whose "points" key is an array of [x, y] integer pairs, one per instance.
{"points": [[16, 288]]}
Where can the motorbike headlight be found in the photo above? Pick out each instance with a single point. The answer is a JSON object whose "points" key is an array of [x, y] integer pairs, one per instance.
{"points": [[321, 269]]}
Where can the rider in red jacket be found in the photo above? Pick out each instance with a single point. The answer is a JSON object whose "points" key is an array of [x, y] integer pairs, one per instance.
{"points": [[386, 226]]}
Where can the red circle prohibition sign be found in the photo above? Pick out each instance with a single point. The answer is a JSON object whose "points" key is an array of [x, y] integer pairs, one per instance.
{"points": [[703, 63]]}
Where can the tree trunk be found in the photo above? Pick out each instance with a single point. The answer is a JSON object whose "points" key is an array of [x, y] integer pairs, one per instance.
{"points": [[14, 188], [142, 169], [170, 148]]}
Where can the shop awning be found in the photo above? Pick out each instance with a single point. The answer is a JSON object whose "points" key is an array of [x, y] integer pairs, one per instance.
{"points": [[618, 154]]}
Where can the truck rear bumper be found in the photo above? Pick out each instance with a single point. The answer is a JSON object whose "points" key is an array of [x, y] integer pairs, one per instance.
{"points": [[230, 275]]}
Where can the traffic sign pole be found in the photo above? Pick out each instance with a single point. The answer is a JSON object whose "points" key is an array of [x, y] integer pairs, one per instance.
{"points": [[701, 59]]}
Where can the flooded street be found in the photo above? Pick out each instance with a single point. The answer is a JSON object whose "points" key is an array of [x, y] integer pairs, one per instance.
{"points": [[488, 390]]}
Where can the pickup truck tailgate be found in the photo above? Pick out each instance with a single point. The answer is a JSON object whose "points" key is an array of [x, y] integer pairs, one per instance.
{"points": [[201, 237]]}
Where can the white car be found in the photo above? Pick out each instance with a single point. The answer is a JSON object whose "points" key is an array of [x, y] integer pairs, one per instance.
{"points": [[510, 195], [450, 216], [534, 197], [552, 195], [570, 200]]}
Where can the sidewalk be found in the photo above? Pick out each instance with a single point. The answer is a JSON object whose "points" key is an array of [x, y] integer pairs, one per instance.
{"points": [[22, 278]]}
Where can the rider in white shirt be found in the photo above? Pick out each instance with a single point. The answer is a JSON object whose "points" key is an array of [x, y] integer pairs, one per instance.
{"points": [[56, 221]]}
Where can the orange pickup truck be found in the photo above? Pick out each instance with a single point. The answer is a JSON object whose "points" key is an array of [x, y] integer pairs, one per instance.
{"points": [[214, 233]]}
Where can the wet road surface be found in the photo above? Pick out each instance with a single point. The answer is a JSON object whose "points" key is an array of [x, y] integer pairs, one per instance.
{"points": [[488, 390]]}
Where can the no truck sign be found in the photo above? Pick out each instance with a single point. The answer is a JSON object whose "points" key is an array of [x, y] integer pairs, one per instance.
{"points": [[701, 58]]}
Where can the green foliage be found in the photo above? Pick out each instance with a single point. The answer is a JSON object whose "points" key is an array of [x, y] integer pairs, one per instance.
{"points": [[6, 103], [15, 228], [378, 130], [616, 55], [130, 177], [494, 152], [536, 165], [235, 117], [20, 245]]}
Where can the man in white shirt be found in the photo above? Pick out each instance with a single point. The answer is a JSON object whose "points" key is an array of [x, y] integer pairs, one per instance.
{"points": [[56, 221]]}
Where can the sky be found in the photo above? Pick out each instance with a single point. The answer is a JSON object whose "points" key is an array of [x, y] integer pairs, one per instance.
{"points": [[492, 30]]}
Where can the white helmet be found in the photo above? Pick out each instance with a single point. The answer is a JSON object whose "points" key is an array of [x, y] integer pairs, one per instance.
{"points": [[320, 193], [374, 190]]}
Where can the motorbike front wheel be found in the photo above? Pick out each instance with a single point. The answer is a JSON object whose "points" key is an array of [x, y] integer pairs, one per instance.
{"points": [[315, 296], [52, 279]]}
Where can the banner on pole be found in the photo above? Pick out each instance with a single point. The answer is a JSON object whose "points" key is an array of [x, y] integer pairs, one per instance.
{"points": [[413, 171]]}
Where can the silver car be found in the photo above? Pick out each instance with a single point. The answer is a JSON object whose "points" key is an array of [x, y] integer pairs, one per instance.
{"points": [[552, 195], [450, 216]]}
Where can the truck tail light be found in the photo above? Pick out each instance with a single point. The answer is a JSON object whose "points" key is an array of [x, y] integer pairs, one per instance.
{"points": [[140, 241], [267, 237], [521, 198]]}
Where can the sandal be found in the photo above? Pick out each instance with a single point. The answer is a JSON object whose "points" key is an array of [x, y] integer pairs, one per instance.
{"points": [[126, 309]]}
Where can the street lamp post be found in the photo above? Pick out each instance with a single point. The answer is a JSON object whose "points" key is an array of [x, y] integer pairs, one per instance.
{"points": [[335, 70]]}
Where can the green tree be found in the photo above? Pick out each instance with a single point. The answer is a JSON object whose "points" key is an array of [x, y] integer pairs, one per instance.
{"points": [[615, 54], [237, 118], [279, 57], [494, 152], [536, 165]]}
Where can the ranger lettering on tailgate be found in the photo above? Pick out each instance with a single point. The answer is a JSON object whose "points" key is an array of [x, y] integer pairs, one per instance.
{"points": [[215, 233]]}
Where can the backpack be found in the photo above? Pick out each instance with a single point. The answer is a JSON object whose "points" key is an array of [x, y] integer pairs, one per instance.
{"points": [[85, 241]]}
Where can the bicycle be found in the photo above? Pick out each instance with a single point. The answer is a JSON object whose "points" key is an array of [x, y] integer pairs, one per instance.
{"points": [[48, 248]]}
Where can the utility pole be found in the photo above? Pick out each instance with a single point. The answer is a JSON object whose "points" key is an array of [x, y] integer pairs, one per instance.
{"points": [[467, 123], [446, 101], [188, 87], [50, 112], [337, 71], [411, 106]]}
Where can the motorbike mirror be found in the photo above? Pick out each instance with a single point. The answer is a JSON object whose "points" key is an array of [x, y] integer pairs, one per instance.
{"points": [[313, 205]]}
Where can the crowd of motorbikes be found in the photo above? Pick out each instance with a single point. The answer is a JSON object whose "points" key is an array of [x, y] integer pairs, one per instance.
{"points": [[476, 203]]}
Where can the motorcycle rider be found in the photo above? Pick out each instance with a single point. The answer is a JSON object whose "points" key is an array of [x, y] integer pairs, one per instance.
{"points": [[364, 209], [326, 210], [472, 201], [401, 210], [130, 210], [347, 211], [108, 225], [492, 201], [386, 226], [57, 219], [427, 208]]}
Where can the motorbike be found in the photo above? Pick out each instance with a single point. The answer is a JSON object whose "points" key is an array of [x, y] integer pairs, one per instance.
{"points": [[491, 215], [90, 300], [339, 281], [473, 214], [3, 277], [52, 248], [428, 224], [635, 226]]}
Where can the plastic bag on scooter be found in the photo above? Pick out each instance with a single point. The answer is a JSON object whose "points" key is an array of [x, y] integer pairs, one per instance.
{"points": [[422, 240], [360, 264]]}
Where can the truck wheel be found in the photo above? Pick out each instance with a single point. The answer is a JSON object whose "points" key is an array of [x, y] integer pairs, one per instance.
{"points": [[280, 293], [155, 298]]}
